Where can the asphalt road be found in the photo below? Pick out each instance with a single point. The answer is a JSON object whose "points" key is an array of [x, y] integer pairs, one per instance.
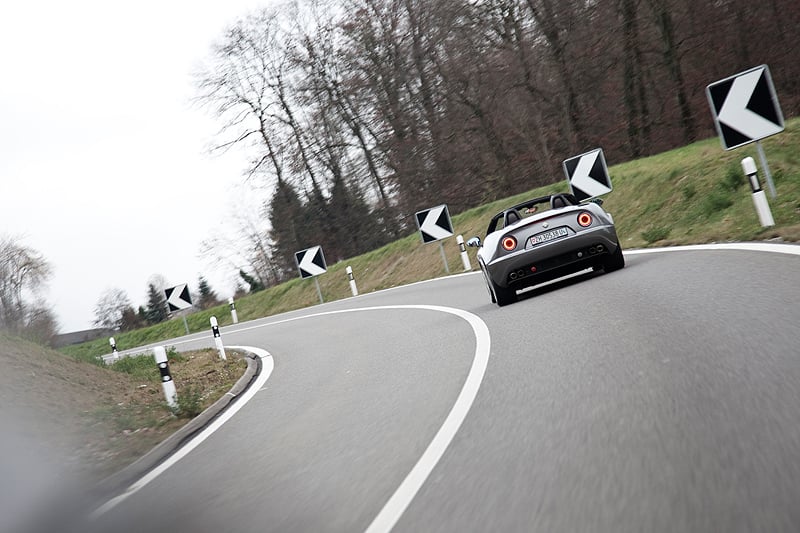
{"points": [[664, 397]]}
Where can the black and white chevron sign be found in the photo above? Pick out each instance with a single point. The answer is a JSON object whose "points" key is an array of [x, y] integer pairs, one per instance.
{"points": [[434, 224], [311, 262], [587, 175], [745, 107], [178, 297]]}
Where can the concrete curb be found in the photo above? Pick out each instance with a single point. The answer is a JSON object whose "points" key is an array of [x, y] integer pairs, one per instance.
{"points": [[118, 481]]}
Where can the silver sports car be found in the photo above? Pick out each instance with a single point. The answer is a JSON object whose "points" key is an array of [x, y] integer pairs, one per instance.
{"points": [[544, 239]]}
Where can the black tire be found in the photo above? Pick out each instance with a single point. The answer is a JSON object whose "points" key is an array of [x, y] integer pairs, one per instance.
{"points": [[615, 261], [504, 296]]}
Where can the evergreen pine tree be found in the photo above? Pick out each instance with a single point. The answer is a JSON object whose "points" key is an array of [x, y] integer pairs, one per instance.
{"points": [[255, 284], [292, 227], [131, 319], [208, 298], [156, 305], [355, 228]]}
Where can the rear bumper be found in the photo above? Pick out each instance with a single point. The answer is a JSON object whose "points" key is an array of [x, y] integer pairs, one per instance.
{"points": [[554, 260]]}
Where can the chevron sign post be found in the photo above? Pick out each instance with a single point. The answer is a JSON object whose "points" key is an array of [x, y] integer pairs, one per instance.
{"points": [[745, 109], [311, 263], [178, 299], [587, 175], [434, 225]]}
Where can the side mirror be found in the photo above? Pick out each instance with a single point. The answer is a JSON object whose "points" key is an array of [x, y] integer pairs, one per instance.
{"points": [[597, 201], [474, 242]]}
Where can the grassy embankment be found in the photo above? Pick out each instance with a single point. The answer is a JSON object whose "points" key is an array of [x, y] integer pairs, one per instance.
{"points": [[102, 419], [695, 194]]}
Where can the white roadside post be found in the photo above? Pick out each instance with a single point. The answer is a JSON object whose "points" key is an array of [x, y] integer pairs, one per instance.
{"points": [[759, 198], [114, 352], [464, 255], [234, 316], [352, 280], [167, 384], [217, 338]]}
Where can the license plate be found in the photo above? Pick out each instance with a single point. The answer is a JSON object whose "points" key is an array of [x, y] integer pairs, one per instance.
{"points": [[549, 236]]}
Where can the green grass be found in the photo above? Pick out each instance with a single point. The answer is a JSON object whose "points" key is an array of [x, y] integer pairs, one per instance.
{"points": [[655, 234], [694, 194], [141, 368], [190, 403]]}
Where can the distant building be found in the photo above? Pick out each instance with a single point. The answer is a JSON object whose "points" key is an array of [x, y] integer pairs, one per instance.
{"points": [[77, 337]]}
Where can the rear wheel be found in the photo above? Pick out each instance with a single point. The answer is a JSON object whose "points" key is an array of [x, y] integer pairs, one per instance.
{"points": [[615, 261], [503, 295]]}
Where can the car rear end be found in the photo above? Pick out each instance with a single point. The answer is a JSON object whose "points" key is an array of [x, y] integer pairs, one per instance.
{"points": [[551, 245]]}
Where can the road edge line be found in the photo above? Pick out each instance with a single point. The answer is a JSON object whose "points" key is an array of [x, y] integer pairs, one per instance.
{"points": [[791, 249], [267, 365], [397, 504]]}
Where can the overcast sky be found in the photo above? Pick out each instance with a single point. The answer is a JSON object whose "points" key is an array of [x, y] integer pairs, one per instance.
{"points": [[103, 159]]}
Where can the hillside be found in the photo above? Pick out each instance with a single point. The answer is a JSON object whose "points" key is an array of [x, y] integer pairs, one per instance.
{"points": [[695, 194], [92, 420]]}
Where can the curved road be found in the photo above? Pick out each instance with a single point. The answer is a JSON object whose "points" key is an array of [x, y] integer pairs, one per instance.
{"points": [[664, 397]]}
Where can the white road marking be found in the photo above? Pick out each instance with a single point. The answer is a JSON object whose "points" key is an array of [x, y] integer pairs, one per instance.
{"points": [[792, 249], [266, 369], [397, 504], [402, 497]]}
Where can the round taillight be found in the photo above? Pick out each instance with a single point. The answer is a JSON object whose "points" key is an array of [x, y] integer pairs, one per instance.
{"points": [[584, 219], [509, 243]]}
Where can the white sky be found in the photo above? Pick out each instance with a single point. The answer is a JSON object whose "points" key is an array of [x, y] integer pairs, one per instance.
{"points": [[103, 163]]}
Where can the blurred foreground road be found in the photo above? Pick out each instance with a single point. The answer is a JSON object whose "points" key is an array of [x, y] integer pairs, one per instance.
{"points": [[664, 397]]}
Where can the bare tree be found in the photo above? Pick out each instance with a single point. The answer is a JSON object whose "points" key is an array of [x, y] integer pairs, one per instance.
{"points": [[23, 273], [40, 325], [555, 19], [247, 247], [376, 74], [238, 86], [109, 311], [322, 60], [664, 19], [634, 92]]}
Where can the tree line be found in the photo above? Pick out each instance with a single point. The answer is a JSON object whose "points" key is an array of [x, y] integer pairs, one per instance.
{"points": [[114, 310], [358, 113], [25, 272]]}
